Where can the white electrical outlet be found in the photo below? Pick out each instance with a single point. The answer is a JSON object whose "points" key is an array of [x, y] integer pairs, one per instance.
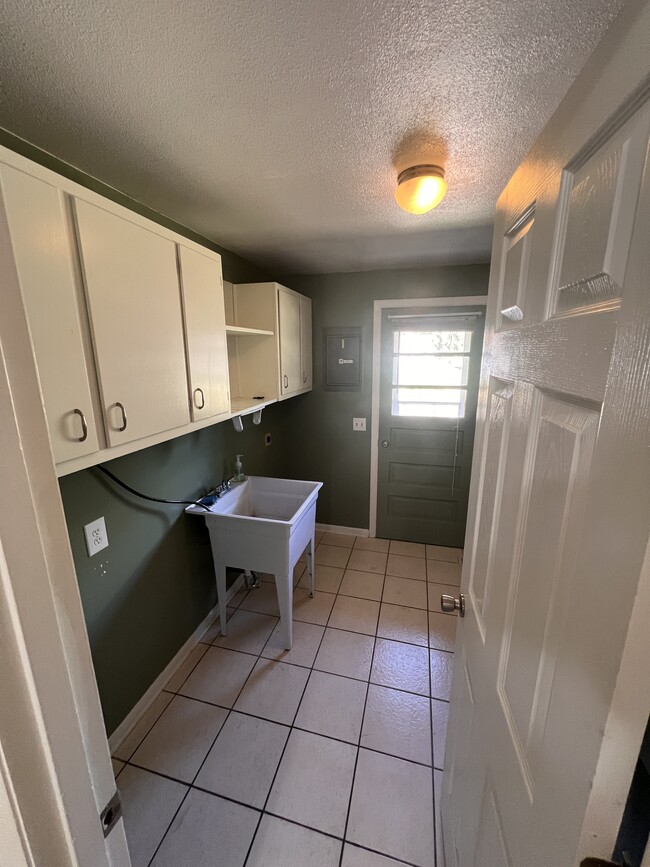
{"points": [[96, 536], [358, 424]]}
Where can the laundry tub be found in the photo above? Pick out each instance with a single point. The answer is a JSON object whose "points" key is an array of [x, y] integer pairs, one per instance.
{"points": [[263, 525]]}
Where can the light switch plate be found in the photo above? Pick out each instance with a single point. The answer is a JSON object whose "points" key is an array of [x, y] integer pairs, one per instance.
{"points": [[96, 536], [358, 424]]}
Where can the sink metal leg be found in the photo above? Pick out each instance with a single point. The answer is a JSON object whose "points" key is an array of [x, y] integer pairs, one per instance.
{"points": [[310, 564], [220, 572], [284, 589]]}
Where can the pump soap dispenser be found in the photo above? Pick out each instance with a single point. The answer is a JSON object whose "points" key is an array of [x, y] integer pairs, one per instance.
{"points": [[239, 470]]}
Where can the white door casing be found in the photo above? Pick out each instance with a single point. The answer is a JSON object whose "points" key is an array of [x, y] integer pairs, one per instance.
{"points": [[559, 512], [55, 762]]}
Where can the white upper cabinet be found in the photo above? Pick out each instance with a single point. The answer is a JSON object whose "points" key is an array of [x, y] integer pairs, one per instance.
{"points": [[291, 373], [205, 332], [134, 303], [270, 342], [306, 351], [43, 251]]}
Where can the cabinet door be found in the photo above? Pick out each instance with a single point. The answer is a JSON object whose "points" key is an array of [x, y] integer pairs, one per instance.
{"points": [[134, 302], [306, 343], [43, 252], [290, 366], [205, 333]]}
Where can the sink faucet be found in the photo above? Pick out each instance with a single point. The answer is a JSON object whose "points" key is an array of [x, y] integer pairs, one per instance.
{"points": [[223, 488]]}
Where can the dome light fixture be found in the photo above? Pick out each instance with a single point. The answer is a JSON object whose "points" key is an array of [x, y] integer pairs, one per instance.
{"points": [[420, 189]]}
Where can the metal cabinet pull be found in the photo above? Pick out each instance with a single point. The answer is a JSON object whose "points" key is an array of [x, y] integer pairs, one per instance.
{"points": [[304, 377], [84, 426], [384, 444], [124, 418], [286, 381], [202, 404]]}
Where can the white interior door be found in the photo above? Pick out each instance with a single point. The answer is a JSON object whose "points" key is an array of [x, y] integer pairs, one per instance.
{"points": [[559, 509]]}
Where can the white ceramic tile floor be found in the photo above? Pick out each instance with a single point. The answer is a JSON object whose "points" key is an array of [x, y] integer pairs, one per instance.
{"points": [[364, 585], [291, 759]]}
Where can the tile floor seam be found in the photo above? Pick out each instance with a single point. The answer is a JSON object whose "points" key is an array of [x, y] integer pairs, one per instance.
{"points": [[191, 785], [230, 711], [291, 727], [356, 759]]}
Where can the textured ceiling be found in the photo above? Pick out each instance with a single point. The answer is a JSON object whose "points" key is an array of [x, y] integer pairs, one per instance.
{"points": [[276, 128]]}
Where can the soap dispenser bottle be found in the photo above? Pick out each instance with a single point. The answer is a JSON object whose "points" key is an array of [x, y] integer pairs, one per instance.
{"points": [[239, 470]]}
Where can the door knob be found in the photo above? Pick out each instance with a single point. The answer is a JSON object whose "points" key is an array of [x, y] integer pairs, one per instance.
{"points": [[385, 444], [449, 604]]}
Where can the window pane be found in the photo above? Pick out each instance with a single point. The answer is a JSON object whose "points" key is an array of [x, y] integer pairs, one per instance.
{"points": [[430, 370], [432, 341], [438, 403]]}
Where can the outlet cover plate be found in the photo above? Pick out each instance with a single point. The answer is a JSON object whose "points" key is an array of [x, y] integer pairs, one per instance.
{"points": [[96, 536], [358, 424]]}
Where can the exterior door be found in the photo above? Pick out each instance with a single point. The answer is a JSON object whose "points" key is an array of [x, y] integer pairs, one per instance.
{"points": [[430, 362], [559, 510]]}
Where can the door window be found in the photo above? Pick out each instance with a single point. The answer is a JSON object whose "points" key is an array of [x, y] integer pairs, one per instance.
{"points": [[430, 373]]}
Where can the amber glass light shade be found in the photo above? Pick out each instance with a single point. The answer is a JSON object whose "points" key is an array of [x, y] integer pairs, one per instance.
{"points": [[420, 189]]}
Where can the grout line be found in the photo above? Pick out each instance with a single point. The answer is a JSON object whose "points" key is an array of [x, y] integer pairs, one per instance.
{"points": [[292, 726], [363, 719], [284, 749]]}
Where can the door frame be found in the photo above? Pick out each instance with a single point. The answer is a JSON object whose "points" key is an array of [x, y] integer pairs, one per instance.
{"points": [[54, 758], [379, 307]]}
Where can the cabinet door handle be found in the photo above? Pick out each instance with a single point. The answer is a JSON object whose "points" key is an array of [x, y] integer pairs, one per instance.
{"points": [[202, 404], [304, 377], [84, 426], [286, 381], [125, 421]]}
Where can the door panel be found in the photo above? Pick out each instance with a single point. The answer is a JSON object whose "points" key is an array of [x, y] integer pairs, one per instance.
{"points": [[560, 517], [491, 845], [425, 452]]}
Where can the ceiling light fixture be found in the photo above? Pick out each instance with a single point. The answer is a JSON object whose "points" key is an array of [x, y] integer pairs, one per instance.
{"points": [[420, 188]]}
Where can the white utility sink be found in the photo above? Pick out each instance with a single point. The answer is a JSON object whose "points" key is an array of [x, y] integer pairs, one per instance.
{"points": [[263, 525]]}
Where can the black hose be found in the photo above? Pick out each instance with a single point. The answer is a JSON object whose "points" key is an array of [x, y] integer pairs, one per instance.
{"points": [[147, 497]]}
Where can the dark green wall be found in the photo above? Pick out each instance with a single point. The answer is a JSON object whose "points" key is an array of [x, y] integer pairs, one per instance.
{"points": [[146, 593], [318, 434]]}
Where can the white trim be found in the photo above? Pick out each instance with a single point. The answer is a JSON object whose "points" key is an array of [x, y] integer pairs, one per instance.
{"points": [[379, 306], [138, 711], [344, 531]]}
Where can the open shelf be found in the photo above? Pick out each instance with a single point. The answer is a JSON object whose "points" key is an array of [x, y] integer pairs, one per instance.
{"points": [[242, 332], [246, 405]]}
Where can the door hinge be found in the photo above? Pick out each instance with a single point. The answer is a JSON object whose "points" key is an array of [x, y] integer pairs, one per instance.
{"points": [[111, 814]]}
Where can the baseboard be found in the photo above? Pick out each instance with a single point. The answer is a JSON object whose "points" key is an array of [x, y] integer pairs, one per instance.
{"points": [[345, 531], [133, 717]]}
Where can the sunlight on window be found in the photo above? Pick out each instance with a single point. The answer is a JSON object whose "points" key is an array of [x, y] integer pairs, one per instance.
{"points": [[426, 367]]}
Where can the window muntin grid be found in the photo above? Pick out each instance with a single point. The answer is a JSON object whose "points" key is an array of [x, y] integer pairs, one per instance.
{"points": [[430, 373]]}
